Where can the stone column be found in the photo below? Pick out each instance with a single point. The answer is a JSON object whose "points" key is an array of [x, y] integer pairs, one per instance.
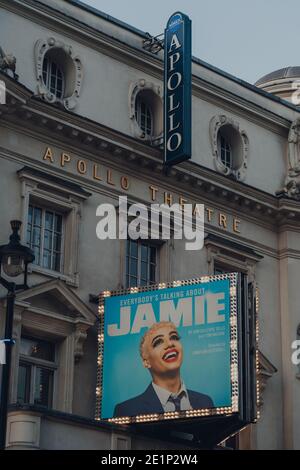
{"points": [[289, 252]]}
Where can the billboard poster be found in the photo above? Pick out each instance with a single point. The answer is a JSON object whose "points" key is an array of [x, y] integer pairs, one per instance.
{"points": [[168, 351]]}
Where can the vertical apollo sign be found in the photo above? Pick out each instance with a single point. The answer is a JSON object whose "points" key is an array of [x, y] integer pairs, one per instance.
{"points": [[177, 85]]}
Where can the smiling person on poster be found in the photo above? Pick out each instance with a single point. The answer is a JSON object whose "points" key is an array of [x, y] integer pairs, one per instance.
{"points": [[162, 354]]}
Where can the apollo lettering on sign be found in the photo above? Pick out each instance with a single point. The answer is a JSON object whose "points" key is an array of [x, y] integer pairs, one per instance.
{"points": [[177, 84]]}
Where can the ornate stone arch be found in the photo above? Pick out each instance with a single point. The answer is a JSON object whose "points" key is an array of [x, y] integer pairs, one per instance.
{"points": [[153, 92], [240, 146], [72, 70]]}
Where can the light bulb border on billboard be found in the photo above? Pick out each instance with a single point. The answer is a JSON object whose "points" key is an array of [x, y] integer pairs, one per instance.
{"points": [[234, 354]]}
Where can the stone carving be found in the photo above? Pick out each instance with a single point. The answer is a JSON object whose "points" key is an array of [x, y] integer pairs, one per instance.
{"points": [[72, 71], [155, 92], [240, 147], [80, 337], [292, 182], [8, 64], [294, 147], [266, 372]]}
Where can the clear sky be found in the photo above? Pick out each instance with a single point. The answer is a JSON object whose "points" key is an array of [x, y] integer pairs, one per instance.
{"points": [[245, 38]]}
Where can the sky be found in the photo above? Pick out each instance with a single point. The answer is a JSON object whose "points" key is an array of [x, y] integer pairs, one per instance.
{"points": [[247, 39]]}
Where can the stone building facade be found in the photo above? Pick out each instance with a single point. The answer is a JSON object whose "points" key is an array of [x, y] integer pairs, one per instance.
{"points": [[82, 125]]}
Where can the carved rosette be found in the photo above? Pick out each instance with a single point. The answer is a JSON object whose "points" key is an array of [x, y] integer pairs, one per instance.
{"points": [[240, 155], [43, 46]]}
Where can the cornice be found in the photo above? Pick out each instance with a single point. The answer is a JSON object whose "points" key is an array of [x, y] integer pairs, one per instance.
{"points": [[228, 245], [260, 248], [37, 118], [289, 253], [58, 22], [235, 103], [143, 61]]}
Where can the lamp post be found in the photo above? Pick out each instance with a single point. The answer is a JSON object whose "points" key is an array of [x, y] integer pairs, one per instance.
{"points": [[14, 260]]}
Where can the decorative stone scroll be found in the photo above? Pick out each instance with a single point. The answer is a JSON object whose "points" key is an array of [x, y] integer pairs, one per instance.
{"points": [[239, 143], [72, 69], [8, 64], [153, 95]]}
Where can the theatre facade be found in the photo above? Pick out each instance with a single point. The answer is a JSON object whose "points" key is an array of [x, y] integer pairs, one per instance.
{"points": [[82, 124]]}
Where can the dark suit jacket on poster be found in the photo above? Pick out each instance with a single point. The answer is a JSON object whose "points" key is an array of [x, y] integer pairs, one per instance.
{"points": [[148, 403]]}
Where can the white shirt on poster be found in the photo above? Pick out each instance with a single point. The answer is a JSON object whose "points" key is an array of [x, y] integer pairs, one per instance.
{"points": [[164, 395], [2, 352]]}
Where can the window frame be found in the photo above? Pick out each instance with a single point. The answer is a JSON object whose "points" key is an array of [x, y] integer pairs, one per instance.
{"points": [[225, 126], [32, 319], [34, 363], [221, 268], [71, 65], [128, 256], [227, 257], [226, 155], [37, 190], [45, 209], [139, 102], [59, 94], [152, 95]]}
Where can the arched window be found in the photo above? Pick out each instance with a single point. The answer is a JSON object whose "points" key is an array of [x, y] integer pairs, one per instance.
{"points": [[146, 111], [144, 116], [59, 72], [53, 77], [230, 147], [225, 152]]}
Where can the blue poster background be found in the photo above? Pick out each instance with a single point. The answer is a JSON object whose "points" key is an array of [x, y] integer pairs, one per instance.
{"points": [[206, 361]]}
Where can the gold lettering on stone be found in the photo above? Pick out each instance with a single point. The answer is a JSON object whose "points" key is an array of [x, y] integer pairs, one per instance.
{"points": [[196, 210], [168, 198], [236, 223], [81, 167], [65, 158], [96, 176], [48, 155], [109, 178], [182, 202], [153, 191], [209, 214], [124, 183], [223, 220]]}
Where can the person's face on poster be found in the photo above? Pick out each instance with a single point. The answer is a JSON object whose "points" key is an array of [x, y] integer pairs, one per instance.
{"points": [[162, 351]]}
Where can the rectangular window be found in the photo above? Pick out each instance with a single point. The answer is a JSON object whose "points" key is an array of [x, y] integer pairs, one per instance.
{"points": [[43, 387], [141, 263], [45, 237], [36, 372], [24, 383], [220, 269]]}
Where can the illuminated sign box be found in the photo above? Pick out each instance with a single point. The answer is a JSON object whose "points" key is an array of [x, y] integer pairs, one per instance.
{"points": [[171, 352], [177, 89]]}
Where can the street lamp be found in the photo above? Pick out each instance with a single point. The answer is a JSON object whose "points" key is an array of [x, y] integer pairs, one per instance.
{"points": [[14, 260]]}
